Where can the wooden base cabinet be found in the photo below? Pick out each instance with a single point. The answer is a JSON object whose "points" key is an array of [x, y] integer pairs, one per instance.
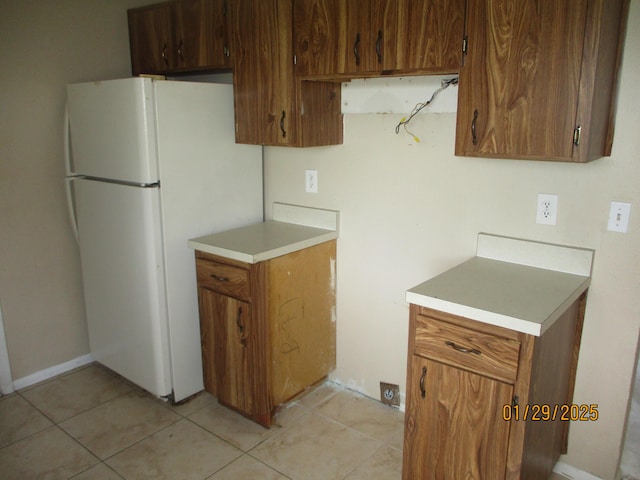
{"points": [[267, 329], [470, 386]]}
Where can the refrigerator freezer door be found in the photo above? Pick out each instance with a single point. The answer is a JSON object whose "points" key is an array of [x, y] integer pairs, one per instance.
{"points": [[122, 268], [208, 184], [113, 132]]}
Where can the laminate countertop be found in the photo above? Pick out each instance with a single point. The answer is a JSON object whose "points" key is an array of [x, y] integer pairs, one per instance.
{"points": [[512, 283], [262, 241], [292, 228]]}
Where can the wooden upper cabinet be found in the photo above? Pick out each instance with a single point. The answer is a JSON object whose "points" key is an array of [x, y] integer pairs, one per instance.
{"points": [[429, 36], [179, 36], [272, 105], [201, 34], [539, 79], [150, 39], [361, 38], [343, 38]]}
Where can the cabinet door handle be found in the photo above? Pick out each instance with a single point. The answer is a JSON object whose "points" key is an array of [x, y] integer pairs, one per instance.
{"points": [[356, 53], [460, 349], [239, 321], [423, 392], [163, 53], [473, 127], [219, 278], [180, 50], [284, 132], [379, 46]]}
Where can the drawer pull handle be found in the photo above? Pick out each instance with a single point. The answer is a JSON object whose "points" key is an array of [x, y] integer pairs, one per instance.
{"points": [[356, 52], [219, 278], [423, 392], [460, 349]]}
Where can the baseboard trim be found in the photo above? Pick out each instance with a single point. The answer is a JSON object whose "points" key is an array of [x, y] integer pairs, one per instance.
{"points": [[572, 472], [51, 372]]}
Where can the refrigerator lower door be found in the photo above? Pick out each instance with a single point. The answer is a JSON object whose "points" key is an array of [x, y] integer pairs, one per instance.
{"points": [[121, 254]]}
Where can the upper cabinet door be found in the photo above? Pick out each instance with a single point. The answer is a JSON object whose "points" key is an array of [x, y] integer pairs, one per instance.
{"points": [[519, 84], [201, 34], [539, 79], [263, 72], [151, 39], [429, 36], [179, 36], [329, 36], [363, 38]]}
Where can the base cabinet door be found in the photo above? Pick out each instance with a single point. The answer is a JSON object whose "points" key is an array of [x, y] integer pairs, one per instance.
{"points": [[233, 352], [231, 347], [454, 427]]}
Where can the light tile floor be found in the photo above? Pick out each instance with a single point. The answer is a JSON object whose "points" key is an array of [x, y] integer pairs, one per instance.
{"points": [[89, 424]]}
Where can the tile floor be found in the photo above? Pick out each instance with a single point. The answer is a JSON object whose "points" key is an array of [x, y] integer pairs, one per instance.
{"points": [[89, 424]]}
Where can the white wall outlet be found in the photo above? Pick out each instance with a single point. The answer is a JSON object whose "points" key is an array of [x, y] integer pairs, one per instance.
{"points": [[311, 181], [547, 213], [619, 217]]}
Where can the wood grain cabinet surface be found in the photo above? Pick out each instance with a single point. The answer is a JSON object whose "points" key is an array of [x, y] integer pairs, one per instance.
{"points": [[272, 105], [539, 79], [359, 38], [470, 386], [179, 36], [267, 329]]}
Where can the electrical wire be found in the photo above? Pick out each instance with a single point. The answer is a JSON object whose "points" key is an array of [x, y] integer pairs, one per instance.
{"points": [[444, 84]]}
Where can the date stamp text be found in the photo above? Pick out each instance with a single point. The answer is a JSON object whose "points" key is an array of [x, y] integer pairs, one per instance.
{"points": [[550, 413]]}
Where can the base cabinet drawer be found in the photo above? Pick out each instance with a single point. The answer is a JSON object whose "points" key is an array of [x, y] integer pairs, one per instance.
{"points": [[223, 278], [486, 354]]}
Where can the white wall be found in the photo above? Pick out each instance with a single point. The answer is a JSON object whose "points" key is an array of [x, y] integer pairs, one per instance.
{"points": [[411, 210], [46, 45]]}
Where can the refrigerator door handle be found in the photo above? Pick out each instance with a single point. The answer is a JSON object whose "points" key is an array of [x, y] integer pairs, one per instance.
{"points": [[71, 207], [67, 146]]}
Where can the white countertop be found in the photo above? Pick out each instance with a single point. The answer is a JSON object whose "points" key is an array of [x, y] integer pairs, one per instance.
{"points": [[262, 241], [273, 238], [516, 293]]}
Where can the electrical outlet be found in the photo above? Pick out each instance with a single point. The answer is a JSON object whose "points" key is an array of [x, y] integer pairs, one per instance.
{"points": [[311, 181], [619, 217], [547, 211], [390, 394]]}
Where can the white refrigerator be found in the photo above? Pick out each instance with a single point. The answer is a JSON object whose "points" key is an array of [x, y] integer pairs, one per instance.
{"points": [[151, 164]]}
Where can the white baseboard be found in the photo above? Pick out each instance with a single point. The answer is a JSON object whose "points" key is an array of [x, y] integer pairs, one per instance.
{"points": [[573, 473], [50, 372]]}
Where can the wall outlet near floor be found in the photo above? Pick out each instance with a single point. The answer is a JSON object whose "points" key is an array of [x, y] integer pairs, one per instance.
{"points": [[311, 181], [619, 217], [390, 394], [547, 212]]}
